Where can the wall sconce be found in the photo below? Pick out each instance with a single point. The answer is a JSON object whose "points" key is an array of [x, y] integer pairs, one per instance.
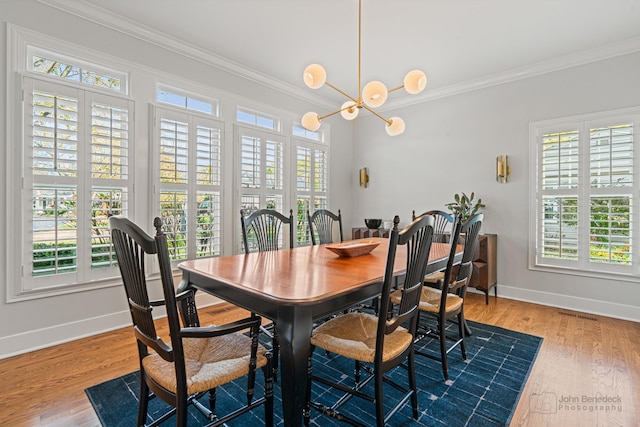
{"points": [[364, 177], [502, 168]]}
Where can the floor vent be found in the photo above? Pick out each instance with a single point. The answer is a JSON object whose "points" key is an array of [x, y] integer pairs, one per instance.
{"points": [[579, 316]]}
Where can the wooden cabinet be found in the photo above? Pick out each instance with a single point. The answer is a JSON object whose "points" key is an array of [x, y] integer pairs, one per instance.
{"points": [[364, 232], [485, 275]]}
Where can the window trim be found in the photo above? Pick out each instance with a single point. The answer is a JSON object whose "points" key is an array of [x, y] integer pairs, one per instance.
{"points": [[192, 117], [582, 122], [19, 39], [312, 194]]}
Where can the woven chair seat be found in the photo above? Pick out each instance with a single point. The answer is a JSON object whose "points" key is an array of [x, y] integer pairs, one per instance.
{"points": [[209, 362], [353, 335], [430, 300], [434, 277]]}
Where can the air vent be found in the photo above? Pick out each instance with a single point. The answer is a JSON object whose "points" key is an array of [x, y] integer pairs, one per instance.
{"points": [[579, 316]]}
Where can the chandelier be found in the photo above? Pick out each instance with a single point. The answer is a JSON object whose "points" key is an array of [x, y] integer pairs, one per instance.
{"points": [[373, 95]]}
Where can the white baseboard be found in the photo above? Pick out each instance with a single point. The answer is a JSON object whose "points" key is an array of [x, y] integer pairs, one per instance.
{"points": [[585, 305], [28, 341], [25, 342]]}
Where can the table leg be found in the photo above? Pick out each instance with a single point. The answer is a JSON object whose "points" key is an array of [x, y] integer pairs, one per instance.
{"points": [[294, 326]]}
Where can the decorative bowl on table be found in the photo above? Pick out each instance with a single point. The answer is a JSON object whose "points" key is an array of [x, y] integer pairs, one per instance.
{"points": [[373, 224], [353, 248]]}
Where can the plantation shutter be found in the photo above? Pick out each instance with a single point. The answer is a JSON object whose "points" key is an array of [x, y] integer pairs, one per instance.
{"points": [[76, 173], [190, 163], [611, 194], [587, 198]]}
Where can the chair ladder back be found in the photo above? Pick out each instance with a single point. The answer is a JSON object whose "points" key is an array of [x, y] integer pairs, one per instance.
{"points": [[264, 227], [323, 220], [131, 244], [442, 221], [471, 230], [417, 238]]}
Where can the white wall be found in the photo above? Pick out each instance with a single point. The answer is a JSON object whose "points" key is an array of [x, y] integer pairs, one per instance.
{"points": [[42, 322], [450, 145]]}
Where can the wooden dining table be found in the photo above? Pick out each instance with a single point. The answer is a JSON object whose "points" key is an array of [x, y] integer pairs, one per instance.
{"points": [[294, 288]]}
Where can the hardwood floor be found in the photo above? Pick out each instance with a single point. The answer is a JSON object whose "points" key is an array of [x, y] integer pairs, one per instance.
{"points": [[583, 357]]}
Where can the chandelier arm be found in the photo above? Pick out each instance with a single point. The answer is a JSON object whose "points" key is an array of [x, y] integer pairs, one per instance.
{"points": [[339, 91], [376, 114], [395, 89], [332, 113]]}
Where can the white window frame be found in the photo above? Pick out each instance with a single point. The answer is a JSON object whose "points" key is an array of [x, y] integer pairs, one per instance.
{"points": [[261, 193], [84, 277], [193, 119], [582, 265], [313, 194]]}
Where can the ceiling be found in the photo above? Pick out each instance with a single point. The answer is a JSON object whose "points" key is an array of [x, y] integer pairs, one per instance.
{"points": [[453, 42]]}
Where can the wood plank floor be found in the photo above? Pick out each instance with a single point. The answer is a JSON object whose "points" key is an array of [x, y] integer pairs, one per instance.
{"points": [[583, 357]]}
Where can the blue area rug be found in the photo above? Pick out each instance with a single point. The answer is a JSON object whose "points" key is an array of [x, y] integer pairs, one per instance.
{"points": [[482, 391]]}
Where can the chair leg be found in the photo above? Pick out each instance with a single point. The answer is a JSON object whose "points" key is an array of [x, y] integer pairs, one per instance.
{"points": [[307, 394], [379, 398], [412, 384], [463, 345], [443, 348], [144, 401], [181, 411], [267, 371], [276, 351], [212, 400]]}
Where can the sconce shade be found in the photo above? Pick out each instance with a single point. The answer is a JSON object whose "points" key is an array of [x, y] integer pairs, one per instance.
{"points": [[396, 127], [311, 121], [349, 110], [502, 168], [374, 94], [315, 76], [415, 81]]}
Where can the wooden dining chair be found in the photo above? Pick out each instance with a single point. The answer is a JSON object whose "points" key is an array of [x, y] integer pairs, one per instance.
{"points": [[443, 223], [195, 360], [262, 231], [378, 342], [322, 223], [445, 302]]}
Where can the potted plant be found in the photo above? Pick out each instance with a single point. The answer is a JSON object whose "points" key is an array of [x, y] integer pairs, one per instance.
{"points": [[465, 205]]}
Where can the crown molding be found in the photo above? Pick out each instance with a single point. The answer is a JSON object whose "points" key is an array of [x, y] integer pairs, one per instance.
{"points": [[568, 61], [134, 29]]}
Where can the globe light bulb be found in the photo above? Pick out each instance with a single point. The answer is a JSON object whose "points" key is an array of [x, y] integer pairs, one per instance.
{"points": [[396, 127], [349, 110], [374, 94], [415, 81], [310, 121], [314, 76]]}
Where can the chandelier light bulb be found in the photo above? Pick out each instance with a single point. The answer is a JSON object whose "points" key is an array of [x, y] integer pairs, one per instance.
{"points": [[310, 121], [349, 110], [374, 94], [396, 127], [415, 81], [314, 76]]}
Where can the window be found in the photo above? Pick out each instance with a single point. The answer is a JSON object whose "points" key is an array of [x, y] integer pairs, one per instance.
{"points": [[312, 185], [76, 169], [75, 70], [586, 189], [189, 162], [301, 132], [244, 115], [261, 159], [189, 102]]}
